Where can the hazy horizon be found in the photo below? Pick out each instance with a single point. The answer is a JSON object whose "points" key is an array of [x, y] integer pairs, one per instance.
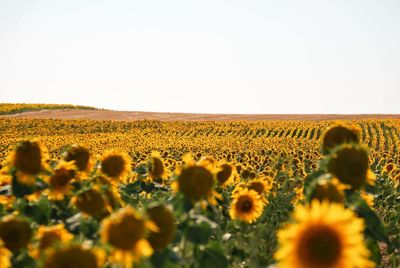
{"points": [[264, 57]]}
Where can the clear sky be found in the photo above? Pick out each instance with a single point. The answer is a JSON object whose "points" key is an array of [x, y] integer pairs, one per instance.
{"points": [[210, 56]]}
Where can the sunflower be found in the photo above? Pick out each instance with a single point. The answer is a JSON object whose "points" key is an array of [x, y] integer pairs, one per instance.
{"points": [[115, 165], [59, 182], [29, 159], [349, 163], [388, 169], [262, 186], [156, 168], [226, 174], [5, 256], [7, 201], [73, 256], [92, 203], [338, 135], [195, 181], [208, 162], [109, 192], [329, 189], [165, 221], [15, 232], [125, 232], [368, 198], [246, 206], [80, 156], [323, 235], [49, 236]]}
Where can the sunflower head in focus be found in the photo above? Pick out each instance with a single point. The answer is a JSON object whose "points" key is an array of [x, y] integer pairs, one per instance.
{"points": [[29, 159], [115, 165], [125, 232], [350, 164], [246, 206], [165, 221], [323, 235], [388, 169], [337, 135], [80, 156], [15, 232]]}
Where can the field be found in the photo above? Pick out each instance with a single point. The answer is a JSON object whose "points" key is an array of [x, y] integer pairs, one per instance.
{"points": [[96, 188]]}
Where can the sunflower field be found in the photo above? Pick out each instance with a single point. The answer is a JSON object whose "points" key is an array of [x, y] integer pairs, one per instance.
{"points": [[12, 108], [312, 194]]}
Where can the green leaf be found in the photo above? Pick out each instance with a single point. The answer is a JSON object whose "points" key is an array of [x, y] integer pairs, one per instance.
{"points": [[212, 257], [199, 233]]}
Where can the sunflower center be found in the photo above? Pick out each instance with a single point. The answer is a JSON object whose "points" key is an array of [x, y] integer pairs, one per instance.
{"points": [[196, 182], [90, 202], [113, 166], [15, 233], [245, 204], [165, 221], [319, 247], [338, 135], [389, 167], [28, 158], [126, 233], [350, 166]]}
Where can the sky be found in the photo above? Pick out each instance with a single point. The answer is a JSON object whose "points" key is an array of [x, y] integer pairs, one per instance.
{"points": [[209, 56]]}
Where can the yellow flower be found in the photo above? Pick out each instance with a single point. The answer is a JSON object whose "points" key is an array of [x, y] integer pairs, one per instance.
{"points": [[59, 182], [329, 189], [156, 168], [262, 186], [7, 200], [246, 206], [165, 221], [5, 256], [369, 198], [29, 159], [92, 203], [338, 135], [115, 165], [226, 174], [125, 232], [15, 232], [195, 181], [73, 256], [80, 156], [323, 235], [49, 236], [349, 163], [388, 169]]}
